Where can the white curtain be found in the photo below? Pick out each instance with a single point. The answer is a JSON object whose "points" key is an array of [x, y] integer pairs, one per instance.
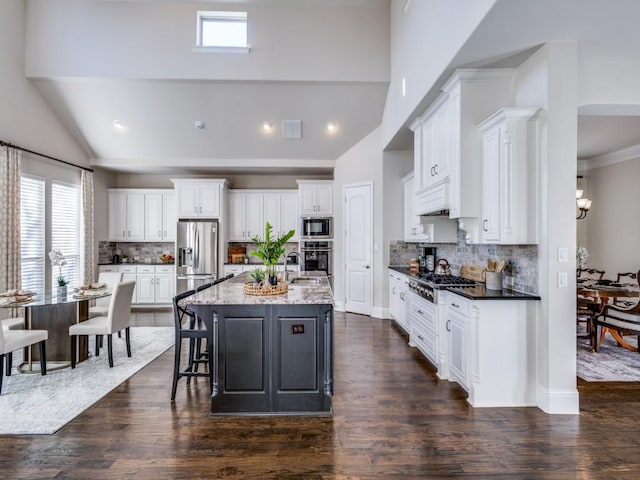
{"points": [[9, 219], [88, 258]]}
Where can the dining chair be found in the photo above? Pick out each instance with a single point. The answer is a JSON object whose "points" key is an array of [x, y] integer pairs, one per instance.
{"points": [[188, 326], [625, 302], [117, 319], [12, 340], [592, 273], [626, 321], [14, 323], [101, 308]]}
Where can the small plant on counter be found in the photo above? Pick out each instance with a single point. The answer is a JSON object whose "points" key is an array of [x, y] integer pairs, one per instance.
{"points": [[257, 275], [270, 250]]}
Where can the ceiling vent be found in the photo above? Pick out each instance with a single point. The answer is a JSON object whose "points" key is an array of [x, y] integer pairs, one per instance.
{"points": [[292, 128]]}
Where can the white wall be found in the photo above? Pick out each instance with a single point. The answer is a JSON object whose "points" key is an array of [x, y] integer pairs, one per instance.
{"points": [[424, 40], [613, 231], [548, 80], [62, 45], [362, 163], [25, 119]]}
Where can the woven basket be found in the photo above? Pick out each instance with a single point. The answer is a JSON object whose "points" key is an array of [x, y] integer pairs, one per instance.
{"points": [[265, 289]]}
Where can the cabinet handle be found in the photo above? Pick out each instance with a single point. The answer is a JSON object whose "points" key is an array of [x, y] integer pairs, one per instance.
{"points": [[420, 337], [485, 225], [124, 233], [447, 326], [455, 305], [160, 233], [435, 169], [401, 295], [129, 233], [420, 312], [249, 233], [393, 290], [165, 233]]}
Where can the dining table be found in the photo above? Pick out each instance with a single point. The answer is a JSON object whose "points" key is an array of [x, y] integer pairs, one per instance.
{"points": [[602, 294], [56, 312]]}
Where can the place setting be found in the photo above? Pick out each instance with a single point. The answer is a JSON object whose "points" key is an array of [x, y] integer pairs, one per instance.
{"points": [[90, 290], [16, 297]]}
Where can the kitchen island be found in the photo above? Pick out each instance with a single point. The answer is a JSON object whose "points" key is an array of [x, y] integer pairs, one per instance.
{"points": [[273, 354]]}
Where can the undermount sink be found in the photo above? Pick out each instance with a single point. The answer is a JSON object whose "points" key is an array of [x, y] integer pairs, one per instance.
{"points": [[305, 281]]}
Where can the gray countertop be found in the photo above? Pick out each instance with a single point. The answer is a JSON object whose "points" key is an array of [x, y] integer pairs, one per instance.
{"points": [[478, 292], [231, 292]]}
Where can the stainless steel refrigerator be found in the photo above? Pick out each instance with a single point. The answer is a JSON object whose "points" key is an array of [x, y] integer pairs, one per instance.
{"points": [[196, 253]]}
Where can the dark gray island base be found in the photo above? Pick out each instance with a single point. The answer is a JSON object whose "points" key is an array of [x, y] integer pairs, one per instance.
{"points": [[273, 355]]}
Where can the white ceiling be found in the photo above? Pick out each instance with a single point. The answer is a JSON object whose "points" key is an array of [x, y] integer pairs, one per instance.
{"points": [[163, 112], [514, 29]]}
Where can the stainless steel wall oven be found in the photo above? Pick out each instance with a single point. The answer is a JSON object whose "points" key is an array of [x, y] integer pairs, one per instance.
{"points": [[317, 255]]}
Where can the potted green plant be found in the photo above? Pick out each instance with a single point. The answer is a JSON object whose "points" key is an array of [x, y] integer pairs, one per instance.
{"points": [[257, 275], [270, 250], [125, 256]]}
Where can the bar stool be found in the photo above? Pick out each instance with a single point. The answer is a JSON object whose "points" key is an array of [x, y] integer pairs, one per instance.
{"points": [[188, 325]]}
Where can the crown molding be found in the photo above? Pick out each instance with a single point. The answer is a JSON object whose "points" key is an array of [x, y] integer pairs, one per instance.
{"points": [[611, 158]]}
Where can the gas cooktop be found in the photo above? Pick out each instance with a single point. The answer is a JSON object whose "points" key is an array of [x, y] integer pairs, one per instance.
{"points": [[445, 280]]}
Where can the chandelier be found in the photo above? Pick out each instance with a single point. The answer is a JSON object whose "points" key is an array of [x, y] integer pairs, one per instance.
{"points": [[583, 204]]}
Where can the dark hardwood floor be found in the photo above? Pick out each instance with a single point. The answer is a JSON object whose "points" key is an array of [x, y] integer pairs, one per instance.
{"points": [[393, 419]]}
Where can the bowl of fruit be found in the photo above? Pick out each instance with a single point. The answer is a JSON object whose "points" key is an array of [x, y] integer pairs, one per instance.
{"points": [[166, 258]]}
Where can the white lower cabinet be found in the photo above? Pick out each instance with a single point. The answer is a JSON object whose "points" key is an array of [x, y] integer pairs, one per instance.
{"points": [[457, 326], [489, 354], [399, 299], [423, 321], [155, 284]]}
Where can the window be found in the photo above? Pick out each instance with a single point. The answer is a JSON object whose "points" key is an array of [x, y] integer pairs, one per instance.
{"points": [[226, 31], [65, 230], [32, 217]]}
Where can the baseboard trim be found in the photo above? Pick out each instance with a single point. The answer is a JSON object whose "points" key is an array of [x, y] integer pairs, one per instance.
{"points": [[379, 312], [558, 402], [339, 306]]}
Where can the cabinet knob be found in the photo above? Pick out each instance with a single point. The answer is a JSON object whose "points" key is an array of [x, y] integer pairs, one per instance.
{"points": [[367, 267], [420, 337]]}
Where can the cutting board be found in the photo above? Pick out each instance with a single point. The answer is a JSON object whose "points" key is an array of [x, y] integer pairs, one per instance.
{"points": [[473, 272]]}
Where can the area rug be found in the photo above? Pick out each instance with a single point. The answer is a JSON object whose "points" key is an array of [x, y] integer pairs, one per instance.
{"points": [[610, 364], [36, 404]]}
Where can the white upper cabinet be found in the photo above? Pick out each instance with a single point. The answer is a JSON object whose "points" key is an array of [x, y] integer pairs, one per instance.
{"points": [[199, 198], [141, 215], [316, 197], [472, 95], [125, 216], [249, 210], [509, 200], [160, 216], [448, 144], [289, 214], [431, 158]]}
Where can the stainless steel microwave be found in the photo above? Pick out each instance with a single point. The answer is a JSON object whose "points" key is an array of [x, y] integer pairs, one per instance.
{"points": [[316, 227]]}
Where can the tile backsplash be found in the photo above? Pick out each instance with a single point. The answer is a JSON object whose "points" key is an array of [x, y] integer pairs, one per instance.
{"points": [[145, 251], [522, 260]]}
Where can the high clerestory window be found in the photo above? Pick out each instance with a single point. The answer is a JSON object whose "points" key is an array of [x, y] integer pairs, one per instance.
{"points": [[222, 32]]}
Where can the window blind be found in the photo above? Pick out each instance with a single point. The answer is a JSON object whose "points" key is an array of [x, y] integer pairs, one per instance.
{"points": [[65, 230], [32, 217]]}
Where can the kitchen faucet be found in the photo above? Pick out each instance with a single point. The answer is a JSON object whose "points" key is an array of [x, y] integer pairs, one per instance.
{"points": [[285, 276]]}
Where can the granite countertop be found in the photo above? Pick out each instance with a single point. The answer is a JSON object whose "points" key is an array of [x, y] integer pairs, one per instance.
{"points": [[478, 292], [136, 263], [231, 292]]}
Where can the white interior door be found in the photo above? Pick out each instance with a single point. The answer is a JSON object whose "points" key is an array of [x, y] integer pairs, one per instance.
{"points": [[358, 241]]}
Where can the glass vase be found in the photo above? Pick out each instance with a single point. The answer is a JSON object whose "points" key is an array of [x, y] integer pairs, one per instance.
{"points": [[62, 292]]}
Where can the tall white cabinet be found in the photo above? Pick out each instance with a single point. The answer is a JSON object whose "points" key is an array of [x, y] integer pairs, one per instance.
{"points": [[508, 186]]}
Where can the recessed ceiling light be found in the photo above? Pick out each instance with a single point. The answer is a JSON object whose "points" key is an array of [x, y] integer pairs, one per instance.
{"points": [[199, 124], [118, 124], [332, 127], [267, 127]]}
